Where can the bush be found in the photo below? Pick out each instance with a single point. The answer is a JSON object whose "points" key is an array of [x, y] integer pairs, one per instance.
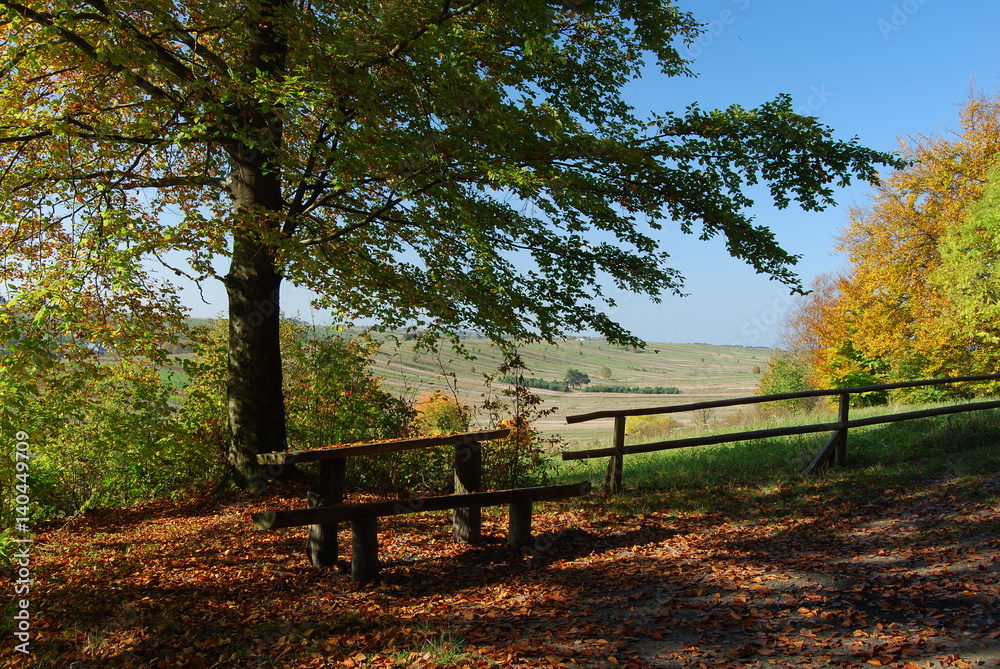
{"points": [[115, 433], [786, 373], [436, 413], [648, 429], [519, 459], [331, 396], [106, 435], [202, 412]]}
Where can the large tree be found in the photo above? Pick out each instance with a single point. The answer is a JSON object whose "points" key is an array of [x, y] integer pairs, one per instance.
{"points": [[446, 164], [918, 298]]}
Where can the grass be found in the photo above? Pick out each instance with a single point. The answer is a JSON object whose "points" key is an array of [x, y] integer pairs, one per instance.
{"points": [[443, 648], [741, 478]]}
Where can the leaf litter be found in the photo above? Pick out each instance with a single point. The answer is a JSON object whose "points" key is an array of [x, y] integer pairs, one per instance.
{"points": [[909, 580]]}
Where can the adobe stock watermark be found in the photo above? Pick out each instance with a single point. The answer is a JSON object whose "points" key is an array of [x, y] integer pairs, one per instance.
{"points": [[263, 310], [22, 555], [715, 28], [768, 319], [899, 16], [818, 96]]}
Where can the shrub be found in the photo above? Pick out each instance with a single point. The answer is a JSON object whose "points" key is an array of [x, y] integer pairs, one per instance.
{"points": [[519, 459], [436, 413], [786, 373], [648, 429], [332, 397], [107, 435], [202, 412]]}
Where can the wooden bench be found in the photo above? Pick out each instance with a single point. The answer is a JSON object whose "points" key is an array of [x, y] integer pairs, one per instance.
{"points": [[328, 493], [364, 517]]}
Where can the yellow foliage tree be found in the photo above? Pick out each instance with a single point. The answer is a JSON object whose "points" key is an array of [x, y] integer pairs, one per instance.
{"points": [[970, 275], [439, 414], [891, 316]]}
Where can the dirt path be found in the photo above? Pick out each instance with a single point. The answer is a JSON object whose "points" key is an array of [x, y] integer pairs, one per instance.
{"points": [[907, 579]]}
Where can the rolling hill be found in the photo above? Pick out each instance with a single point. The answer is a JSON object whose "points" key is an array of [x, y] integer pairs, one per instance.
{"points": [[699, 371]]}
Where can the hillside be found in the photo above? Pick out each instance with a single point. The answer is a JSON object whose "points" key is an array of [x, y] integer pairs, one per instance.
{"points": [[699, 371]]}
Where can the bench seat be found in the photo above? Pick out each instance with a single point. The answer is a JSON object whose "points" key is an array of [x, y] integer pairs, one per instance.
{"points": [[364, 517]]}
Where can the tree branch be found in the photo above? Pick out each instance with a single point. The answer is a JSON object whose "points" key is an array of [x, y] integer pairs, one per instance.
{"points": [[446, 14], [86, 48], [342, 232], [371, 216], [163, 56], [25, 138]]}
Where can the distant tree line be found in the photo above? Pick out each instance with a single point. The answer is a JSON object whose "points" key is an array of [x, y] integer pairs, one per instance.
{"points": [[563, 386], [636, 390], [531, 382]]}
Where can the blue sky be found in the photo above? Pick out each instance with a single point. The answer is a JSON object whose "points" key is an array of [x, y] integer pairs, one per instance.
{"points": [[875, 69], [878, 70]]}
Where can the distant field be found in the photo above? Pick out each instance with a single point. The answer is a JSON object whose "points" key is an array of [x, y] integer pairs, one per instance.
{"points": [[700, 371]]}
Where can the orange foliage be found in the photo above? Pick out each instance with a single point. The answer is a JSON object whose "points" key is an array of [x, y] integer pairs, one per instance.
{"points": [[521, 434], [887, 318], [439, 414]]}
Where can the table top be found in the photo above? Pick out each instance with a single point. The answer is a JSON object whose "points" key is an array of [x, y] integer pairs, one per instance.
{"points": [[346, 451]]}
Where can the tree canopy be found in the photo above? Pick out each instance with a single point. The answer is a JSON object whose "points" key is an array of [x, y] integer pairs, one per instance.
{"points": [[421, 163], [920, 296], [576, 379]]}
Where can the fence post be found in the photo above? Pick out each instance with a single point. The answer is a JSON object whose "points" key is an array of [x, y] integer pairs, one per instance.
{"points": [[467, 522], [364, 548], [519, 523], [613, 477], [843, 415]]}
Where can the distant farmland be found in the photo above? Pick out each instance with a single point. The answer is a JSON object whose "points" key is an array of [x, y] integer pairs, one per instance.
{"points": [[699, 371]]}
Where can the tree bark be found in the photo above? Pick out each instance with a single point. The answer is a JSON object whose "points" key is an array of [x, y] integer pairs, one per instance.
{"points": [[256, 400], [254, 388]]}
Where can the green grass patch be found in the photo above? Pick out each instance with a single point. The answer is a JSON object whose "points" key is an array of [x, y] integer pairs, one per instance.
{"points": [[443, 648], [766, 476]]}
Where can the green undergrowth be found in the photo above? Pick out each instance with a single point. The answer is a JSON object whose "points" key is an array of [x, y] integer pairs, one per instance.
{"points": [[764, 479]]}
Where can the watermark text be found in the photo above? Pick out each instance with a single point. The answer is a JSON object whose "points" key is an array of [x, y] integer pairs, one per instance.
{"points": [[21, 557]]}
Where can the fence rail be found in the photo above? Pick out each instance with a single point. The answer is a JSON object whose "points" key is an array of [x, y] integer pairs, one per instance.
{"points": [[834, 451]]}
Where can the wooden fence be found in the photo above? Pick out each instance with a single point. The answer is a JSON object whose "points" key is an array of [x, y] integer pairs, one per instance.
{"points": [[834, 451]]}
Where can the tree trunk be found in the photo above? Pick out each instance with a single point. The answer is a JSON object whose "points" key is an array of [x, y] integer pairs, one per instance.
{"points": [[256, 402]]}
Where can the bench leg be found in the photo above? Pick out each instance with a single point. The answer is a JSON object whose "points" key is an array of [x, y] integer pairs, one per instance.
{"points": [[519, 526], [364, 548], [321, 546]]}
